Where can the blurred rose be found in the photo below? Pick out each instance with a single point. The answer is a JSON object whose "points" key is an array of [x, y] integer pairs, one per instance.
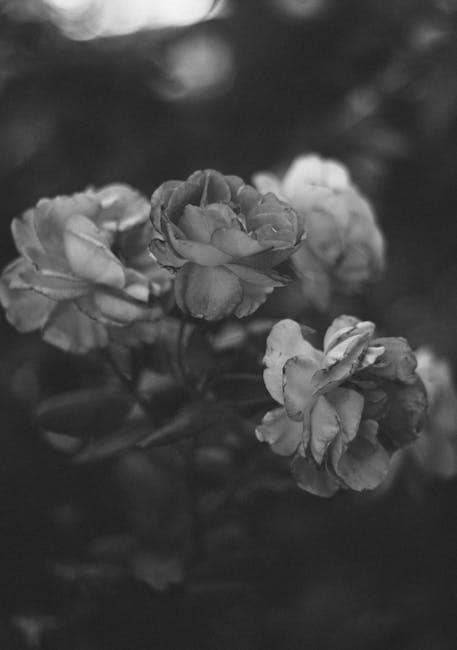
{"points": [[222, 238], [344, 249], [435, 452], [332, 420], [84, 270]]}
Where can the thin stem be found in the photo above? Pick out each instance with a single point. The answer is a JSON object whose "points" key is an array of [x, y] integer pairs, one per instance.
{"points": [[181, 352], [124, 379], [198, 550]]}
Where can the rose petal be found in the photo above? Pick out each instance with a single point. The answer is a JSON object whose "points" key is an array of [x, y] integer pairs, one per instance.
{"points": [[397, 362], [235, 242], [276, 237], [325, 236], [87, 253], [248, 198], [119, 309], [207, 292], [355, 342], [348, 404], [53, 285], [271, 211], [253, 297], [282, 434], [25, 309], [51, 216], [198, 224], [122, 207], [313, 169], [315, 281], [317, 481], [234, 183], [284, 342], [160, 198], [185, 193], [266, 182], [269, 258], [215, 188], [248, 274], [365, 463], [340, 327], [325, 425], [71, 330], [297, 386], [343, 360], [202, 254], [26, 239], [165, 255]]}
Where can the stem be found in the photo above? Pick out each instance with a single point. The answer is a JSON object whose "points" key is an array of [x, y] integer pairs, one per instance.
{"points": [[198, 550], [124, 379], [181, 354]]}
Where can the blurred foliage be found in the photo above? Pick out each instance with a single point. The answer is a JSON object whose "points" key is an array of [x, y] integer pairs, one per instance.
{"points": [[88, 550]]}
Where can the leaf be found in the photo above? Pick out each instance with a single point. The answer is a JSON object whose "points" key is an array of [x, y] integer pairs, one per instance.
{"points": [[163, 394], [114, 443], [63, 443], [84, 413], [189, 421]]}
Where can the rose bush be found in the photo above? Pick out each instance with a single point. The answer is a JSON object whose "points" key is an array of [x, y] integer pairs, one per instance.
{"points": [[345, 409], [344, 249], [84, 271], [222, 238]]}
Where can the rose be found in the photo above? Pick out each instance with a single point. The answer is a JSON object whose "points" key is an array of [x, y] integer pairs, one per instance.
{"points": [[435, 452], [82, 270], [327, 422], [222, 238], [344, 249]]}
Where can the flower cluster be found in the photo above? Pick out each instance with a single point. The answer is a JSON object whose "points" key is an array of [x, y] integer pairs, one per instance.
{"points": [[84, 271], [344, 409], [344, 248], [86, 278], [222, 238]]}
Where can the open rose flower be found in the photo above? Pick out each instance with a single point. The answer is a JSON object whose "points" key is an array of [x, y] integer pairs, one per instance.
{"points": [[222, 238], [344, 249], [334, 420], [82, 271]]}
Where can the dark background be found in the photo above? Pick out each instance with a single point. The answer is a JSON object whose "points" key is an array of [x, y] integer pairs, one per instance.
{"points": [[371, 83]]}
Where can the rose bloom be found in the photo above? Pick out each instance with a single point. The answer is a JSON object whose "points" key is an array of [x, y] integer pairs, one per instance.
{"points": [[222, 238], [338, 418], [344, 249], [435, 452], [84, 272]]}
